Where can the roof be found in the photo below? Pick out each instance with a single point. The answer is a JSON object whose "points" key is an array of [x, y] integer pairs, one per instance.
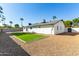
{"points": [[47, 23]]}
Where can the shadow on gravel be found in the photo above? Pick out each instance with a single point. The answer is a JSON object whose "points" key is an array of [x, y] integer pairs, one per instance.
{"points": [[69, 34]]}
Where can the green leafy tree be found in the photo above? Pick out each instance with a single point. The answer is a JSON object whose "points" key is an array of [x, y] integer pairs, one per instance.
{"points": [[76, 21], [16, 25], [68, 23]]}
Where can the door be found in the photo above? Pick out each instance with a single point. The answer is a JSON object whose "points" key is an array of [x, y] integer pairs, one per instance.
{"points": [[69, 29]]}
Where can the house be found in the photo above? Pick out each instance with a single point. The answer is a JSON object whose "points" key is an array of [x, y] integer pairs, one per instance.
{"points": [[53, 27]]}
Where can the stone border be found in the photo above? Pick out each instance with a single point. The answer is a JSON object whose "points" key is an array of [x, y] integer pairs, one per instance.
{"points": [[18, 38]]}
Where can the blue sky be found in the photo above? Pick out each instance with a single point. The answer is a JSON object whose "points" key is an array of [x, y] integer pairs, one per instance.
{"points": [[35, 12]]}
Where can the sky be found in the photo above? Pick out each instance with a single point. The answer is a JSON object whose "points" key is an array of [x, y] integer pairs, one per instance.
{"points": [[36, 12]]}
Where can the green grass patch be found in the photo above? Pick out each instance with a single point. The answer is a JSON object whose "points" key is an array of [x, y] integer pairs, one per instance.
{"points": [[29, 37]]}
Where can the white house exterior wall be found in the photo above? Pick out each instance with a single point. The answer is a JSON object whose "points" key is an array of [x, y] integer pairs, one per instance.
{"points": [[75, 29], [48, 30], [61, 27], [42, 30], [24, 29]]}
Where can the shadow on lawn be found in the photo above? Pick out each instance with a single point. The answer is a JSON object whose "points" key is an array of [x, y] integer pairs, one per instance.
{"points": [[18, 34]]}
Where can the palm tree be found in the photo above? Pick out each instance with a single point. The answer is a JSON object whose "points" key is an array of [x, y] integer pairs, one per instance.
{"points": [[1, 13], [1, 8], [21, 21], [11, 23], [3, 19], [29, 23], [44, 20], [54, 17]]}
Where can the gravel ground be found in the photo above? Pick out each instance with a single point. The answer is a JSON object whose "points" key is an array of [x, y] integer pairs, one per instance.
{"points": [[66, 44], [9, 48]]}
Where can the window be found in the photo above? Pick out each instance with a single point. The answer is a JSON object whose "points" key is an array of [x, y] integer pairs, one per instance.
{"points": [[30, 27], [57, 27], [26, 29], [60, 28], [39, 26]]}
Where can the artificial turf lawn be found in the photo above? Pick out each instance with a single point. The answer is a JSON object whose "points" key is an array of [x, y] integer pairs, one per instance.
{"points": [[29, 37]]}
